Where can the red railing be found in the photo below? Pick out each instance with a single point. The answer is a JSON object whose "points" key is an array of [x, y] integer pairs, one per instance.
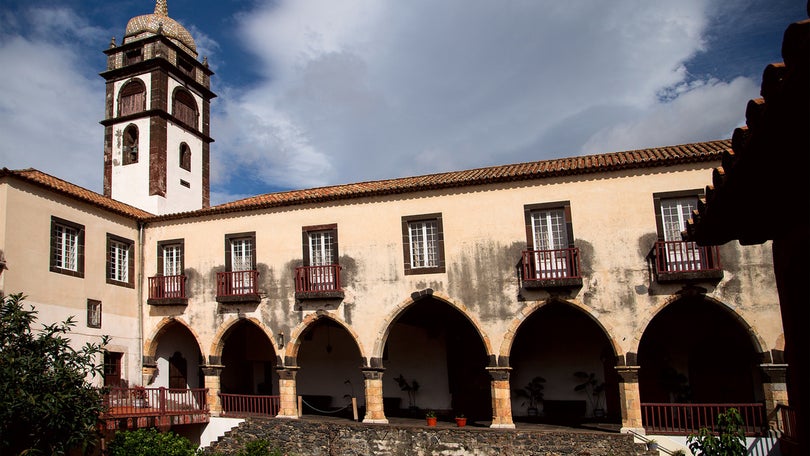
{"points": [[685, 256], [242, 405], [317, 278], [237, 283], [167, 287], [684, 419], [142, 407], [551, 264]]}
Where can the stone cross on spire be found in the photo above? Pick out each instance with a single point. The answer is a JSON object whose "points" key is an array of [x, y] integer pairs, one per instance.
{"points": [[161, 8]]}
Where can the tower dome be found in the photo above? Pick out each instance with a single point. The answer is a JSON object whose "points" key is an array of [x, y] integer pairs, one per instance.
{"points": [[159, 23]]}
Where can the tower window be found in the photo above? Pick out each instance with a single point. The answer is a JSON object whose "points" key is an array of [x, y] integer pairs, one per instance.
{"points": [[185, 66], [185, 157], [184, 108], [130, 146], [133, 56], [132, 98]]}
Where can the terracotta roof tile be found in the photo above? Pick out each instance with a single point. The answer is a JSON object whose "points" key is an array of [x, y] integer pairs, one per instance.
{"points": [[74, 191], [644, 158]]}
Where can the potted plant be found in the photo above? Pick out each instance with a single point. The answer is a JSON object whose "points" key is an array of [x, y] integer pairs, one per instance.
{"points": [[461, 420], [139, 396], [652, 444], [533, 392], [430, 416], [593, 388]]}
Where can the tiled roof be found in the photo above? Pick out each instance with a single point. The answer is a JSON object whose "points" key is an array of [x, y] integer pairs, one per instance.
{"points": [[74, 191], [767, 168], [587, 164]]}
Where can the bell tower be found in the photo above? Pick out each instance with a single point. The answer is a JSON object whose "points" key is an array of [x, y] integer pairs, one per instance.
{"points": [[156, 117]]}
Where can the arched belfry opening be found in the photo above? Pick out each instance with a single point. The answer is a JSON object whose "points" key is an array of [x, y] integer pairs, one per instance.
{"points": [[572, 356], [696, 351], [434, 345], [329, 374], [249, 360]]}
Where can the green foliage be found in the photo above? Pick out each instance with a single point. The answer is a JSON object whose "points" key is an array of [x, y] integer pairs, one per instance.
{"points": [[47, 404], [729, 441], [259, 448], [150, 442]]}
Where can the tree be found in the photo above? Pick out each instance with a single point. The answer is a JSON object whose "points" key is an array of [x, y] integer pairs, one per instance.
{"points": [[47, 403], [730, 440]]}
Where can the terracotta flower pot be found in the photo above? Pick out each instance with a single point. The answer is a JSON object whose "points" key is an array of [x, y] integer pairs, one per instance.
{"points": [[461, 422], [431, 421]]}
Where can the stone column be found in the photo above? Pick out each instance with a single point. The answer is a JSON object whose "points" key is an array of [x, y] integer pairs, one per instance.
{"points": [[375, 412], [211, 372], [774, 386], [630, 398], [501, 397], [288, 392]]}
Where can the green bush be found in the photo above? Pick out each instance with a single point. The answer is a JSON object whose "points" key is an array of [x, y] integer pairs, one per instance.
{"points": [[730, 440], [259, 448], [150, 442]]}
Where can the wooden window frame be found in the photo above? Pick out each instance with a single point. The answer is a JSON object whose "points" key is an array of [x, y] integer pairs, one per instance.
{"points": [[307, 230], [130, 282], [527, 217], [406, 243], [54, 267], [657, 199], [235, 236], [94, 313]]}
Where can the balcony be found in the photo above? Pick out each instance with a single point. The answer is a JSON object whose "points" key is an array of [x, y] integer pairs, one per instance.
{"points": [[318, 282], [167, 291], [238, 286], [242, 405], [551, 268], [131, 408], [678, 261]]}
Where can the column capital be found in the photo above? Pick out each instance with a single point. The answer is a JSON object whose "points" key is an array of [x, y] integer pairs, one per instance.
{"points": [[628, 374], [212, 369], [373, 373], [498, 372], [287, 372], [773, 373]]}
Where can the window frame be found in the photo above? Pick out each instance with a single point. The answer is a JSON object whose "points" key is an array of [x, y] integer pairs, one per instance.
{"points": [[189, 104], [407, 220], [80, 235], [529, 209], [229, 238], [307, 231], [659, 198], [129, 157], [130, 247], [162, 245], [94, 313], [134, 86], [184, 156]]}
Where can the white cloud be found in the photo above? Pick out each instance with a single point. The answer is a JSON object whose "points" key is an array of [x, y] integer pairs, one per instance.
{"points": [[362, 89]]}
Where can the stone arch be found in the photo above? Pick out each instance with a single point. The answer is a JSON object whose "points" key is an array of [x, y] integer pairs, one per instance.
{"points": [[757, 340], [391, 318], [528, 310], [218, 342], [150, 344], [291, 349]]}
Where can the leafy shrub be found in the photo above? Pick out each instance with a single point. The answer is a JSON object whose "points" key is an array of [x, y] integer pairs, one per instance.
{"points": [[730, 440], [259, 448], [150, 442]]}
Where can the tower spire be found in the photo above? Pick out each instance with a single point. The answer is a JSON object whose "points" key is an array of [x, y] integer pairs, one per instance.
{"points": [[161, 8]]}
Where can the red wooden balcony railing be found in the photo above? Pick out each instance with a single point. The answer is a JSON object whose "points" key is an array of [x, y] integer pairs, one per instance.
{"points": [[684, 419], [237, 283], [309, 279], [144, 407], [787, 422], [243, 405], [673, 257], [167, 287], [550, 265]]}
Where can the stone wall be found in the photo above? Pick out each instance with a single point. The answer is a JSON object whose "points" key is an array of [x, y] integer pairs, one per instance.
{"points": [[321, 438]]}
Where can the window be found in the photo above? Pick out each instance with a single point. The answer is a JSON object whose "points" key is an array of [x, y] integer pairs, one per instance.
{"points": [[185, 157], [423, 244], [133, 56], [184, 108], [169, 286], [170, 257], [185, 66], [673, 211], [321, 271], [129, 149], [120, 261], [112, 368], [132, 98], [93, 313], [67, 247], [240, 261], [549, 237]]}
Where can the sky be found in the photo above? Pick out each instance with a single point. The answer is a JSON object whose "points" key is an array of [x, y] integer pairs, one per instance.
{"points": [[320, 92]]}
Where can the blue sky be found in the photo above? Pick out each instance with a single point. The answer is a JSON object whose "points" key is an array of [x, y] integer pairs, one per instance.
{"points": [[321, 92]]}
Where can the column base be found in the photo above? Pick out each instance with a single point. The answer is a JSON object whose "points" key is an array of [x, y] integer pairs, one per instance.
{"points": [[290, 417], [378, 421], [502, 426], [633, 430]]}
